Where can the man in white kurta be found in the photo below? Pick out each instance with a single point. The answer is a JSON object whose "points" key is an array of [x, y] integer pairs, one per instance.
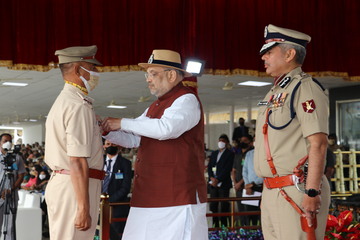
{"points": [[169, 197]]}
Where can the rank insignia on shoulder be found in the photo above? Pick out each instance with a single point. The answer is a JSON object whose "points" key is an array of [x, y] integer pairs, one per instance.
{"points": [[309, 106], [87, 100], [303, 74], [285, 82]]}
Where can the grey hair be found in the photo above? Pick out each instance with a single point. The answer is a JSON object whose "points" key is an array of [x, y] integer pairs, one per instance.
{"points": [[300, 51], [65, 67]]}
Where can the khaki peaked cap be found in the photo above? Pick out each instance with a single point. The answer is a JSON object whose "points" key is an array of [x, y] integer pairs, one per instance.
{"points": [[78, 54]]}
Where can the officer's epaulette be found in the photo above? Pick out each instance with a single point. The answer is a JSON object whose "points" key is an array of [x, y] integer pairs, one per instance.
{"points": [[87, 100]]}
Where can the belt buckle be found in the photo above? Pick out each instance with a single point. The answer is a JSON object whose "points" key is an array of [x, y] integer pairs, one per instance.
{"points": [[300, 186]]}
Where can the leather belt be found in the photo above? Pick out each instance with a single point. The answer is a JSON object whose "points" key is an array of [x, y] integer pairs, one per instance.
{"points": [[93, 173], [279, 182]]}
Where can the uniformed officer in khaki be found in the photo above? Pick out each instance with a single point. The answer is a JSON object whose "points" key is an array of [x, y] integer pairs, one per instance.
{"points": [[74, 149], [296, 113]]}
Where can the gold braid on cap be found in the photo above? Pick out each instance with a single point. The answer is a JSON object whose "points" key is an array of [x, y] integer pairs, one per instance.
{"points": [[84, 90]]}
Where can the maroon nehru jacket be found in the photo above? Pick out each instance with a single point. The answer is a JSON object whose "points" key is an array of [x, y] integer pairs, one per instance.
{"points": [[170, 172]]}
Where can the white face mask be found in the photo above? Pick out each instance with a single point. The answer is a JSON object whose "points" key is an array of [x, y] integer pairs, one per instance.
{"points": [[93, 82], [42, 176], [221, 145], [7, 145]]}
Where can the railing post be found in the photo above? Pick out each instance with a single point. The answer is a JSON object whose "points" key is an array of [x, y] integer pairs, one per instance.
{"points": [[353, 166], [351, 174], [104, 218], [339, 184], [232, 213]]}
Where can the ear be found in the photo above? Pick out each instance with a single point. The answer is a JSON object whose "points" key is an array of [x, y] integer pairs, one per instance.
{"points": [[76, 69], [290, 55], [172, 76]]}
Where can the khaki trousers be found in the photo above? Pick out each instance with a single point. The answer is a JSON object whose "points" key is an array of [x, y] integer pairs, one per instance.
{"points": [[62, 207], [279, 219]]}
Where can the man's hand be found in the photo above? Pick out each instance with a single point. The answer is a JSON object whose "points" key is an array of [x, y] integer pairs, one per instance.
{"points": [[238, 186], [214, 182], [4, 193], [311, 207], [248, 188], [111, 124], [82, 220]]}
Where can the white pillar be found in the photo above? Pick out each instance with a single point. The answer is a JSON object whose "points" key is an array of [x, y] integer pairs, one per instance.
{"points": [[249, 117], [231, 122], [207, 130]]}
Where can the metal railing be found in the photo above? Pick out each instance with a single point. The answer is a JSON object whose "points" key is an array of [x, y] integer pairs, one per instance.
{"points": [[106, 214], [346, 172]]}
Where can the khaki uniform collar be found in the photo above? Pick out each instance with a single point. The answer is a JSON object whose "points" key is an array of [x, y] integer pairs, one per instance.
{"points": [[288, 78], [78, 92]]}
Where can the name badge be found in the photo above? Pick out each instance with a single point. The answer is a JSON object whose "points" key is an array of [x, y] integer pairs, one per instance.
{"points": [[119, 175]]}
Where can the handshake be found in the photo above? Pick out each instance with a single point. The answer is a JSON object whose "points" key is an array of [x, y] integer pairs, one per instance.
{"points": [[108, 124]]}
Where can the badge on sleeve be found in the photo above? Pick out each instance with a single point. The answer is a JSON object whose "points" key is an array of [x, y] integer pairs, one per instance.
{"points": [[309, 106]]}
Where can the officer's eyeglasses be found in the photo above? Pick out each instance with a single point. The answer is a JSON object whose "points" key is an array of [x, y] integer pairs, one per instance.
{"points": [[152, 75]]}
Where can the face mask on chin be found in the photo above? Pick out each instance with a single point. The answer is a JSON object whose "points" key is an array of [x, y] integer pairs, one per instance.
{"points": [[93, 81]]}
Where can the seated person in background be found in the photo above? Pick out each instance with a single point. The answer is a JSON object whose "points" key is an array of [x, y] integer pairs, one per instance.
{"points": [[44, 177], [25, 180], [34, 178]]}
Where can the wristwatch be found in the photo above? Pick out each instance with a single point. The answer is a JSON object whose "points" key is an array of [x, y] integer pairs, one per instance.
{"points": [[312, 192]]}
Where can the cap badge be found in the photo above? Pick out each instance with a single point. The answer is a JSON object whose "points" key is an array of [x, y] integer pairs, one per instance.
{"points": [[89, 57], [265, 32], [309, 106], [151, 59]]}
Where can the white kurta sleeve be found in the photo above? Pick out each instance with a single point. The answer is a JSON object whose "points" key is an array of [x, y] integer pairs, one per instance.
{"points": [[180, 117], [125, 139]]}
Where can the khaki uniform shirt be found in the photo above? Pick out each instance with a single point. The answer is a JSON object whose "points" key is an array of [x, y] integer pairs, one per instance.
{"points": [[72, 131], [289, 145]]}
